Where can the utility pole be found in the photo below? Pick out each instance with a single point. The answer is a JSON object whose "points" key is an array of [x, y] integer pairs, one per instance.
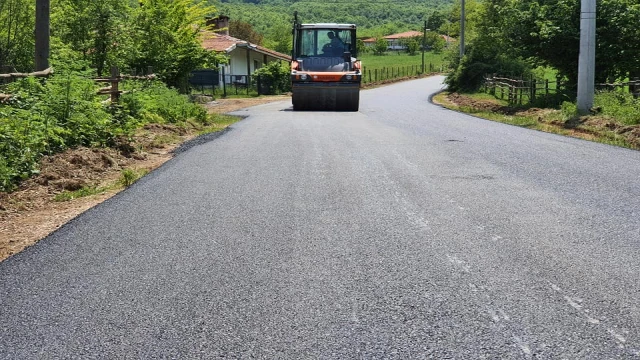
{"points": [[587, 59], [424, 42], [462, 16], [42, 35]]}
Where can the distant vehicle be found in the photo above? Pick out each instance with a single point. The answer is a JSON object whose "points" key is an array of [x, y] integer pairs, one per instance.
{"points": [[325, 73]]}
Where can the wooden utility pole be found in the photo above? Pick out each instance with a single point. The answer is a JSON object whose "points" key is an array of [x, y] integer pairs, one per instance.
{"points": [[42, 35]]}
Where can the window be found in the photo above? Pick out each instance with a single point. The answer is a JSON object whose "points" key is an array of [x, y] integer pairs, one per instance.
{"points": [[256, 65], [325, 42]]}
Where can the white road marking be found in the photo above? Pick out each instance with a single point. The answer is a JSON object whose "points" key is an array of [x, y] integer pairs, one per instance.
{"points": [[619, 338], [458, 263], [504, 315], [573, 304], [494, 315], [555, 287], [523, 346], [592, 320]]}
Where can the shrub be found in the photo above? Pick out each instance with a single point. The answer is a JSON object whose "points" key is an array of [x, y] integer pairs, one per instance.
{"points": [[155, 102], [274, 78], [622, 106], [467, 73], [64, 111]]}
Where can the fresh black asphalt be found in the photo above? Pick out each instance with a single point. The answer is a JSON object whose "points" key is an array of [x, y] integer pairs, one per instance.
{"points": [[402, 231]]}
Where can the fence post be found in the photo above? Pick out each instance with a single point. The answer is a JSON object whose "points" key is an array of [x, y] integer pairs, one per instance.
{"points": [[376, 73], [115, 94], [534, 87], [521, 84], [258, 85], [634, 87], [224, 84], [557, 97], [546, 87]]}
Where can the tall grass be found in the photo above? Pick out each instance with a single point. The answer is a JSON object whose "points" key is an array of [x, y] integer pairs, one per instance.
{"points": [[620, 105]]}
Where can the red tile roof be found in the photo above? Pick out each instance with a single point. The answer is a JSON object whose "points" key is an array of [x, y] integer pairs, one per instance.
{"points": [[407, 34], [225, 43]]}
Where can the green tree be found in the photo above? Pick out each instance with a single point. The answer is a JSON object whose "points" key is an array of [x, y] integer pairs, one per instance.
{"points": [[244, 31], [436, 20], [168, 38], [413, 45], [361, 47], [434, 41], [97, 29], [380, 46], [279, 38], [537, 29], [490, 51], [17, 22]]}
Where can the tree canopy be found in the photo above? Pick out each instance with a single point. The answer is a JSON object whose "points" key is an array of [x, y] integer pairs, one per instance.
{"points": [[511, 37]]}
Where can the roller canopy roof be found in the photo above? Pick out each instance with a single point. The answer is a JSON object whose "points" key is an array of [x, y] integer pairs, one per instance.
{"points": [[328, 26]]}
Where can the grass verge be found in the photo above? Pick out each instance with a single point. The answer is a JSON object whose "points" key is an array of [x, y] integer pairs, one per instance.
{"points": [[82, 192], [599, 128]]}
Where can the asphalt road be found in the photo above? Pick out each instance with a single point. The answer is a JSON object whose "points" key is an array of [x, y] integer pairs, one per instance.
{"points": [[402, 231]]}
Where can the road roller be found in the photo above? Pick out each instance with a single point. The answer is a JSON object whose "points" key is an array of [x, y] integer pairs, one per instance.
{"points": [[325, 71]]}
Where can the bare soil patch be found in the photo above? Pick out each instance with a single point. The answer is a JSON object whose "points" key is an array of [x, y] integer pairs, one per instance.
{"points": [[223, 106], [32, 212]]}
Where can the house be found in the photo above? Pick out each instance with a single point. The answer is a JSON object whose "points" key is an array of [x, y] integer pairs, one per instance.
{"points": [[244, 57], [394, 41]]}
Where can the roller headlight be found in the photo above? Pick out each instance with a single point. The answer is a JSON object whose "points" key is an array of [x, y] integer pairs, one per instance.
{"points": [[303, 76], [349, 77]]}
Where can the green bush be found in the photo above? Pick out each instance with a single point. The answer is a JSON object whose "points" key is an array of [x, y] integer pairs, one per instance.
{"points": [[619, 105], [154, 102], [467, 73], [274, 78], [64, 111]]}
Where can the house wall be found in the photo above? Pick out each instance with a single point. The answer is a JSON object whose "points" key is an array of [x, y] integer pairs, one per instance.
{"points": [[238, 63]]}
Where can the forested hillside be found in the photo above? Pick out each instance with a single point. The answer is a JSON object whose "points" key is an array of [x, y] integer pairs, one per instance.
{"points": [[372, 17]]}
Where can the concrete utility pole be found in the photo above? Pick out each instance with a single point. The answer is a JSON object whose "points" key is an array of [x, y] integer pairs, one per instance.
{"points": [[462, 16], [424, 42], [587, 59], [42, 35]]}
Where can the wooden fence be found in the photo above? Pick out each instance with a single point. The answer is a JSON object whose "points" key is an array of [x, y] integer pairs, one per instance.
{"points": [[394, 72], [525, 91], [11, 77], [115, 79], [632, 86], [544, 92], [112, 90]]}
